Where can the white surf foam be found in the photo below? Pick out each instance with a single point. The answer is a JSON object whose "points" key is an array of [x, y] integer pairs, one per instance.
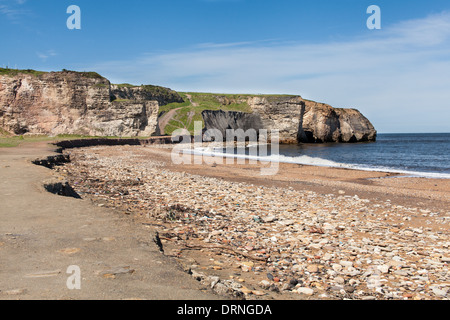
{"points": [[312, 161]]}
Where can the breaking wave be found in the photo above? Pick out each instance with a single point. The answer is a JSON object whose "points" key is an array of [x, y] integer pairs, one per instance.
{"points": [[311, 161]]}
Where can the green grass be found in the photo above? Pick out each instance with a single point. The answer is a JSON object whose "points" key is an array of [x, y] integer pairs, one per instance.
{"points": [[14, 72], [201, 102], [86, 74], [156, 90], [125, 85], [93, 75], [121, 100], [14, 141]]}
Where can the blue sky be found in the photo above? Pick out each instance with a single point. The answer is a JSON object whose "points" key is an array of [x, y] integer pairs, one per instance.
{"points": [[322, 50]]}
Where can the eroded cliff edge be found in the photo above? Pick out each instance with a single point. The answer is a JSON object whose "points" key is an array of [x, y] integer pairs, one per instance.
{"points": [[297, 120], [85, 103], [82, 103]]}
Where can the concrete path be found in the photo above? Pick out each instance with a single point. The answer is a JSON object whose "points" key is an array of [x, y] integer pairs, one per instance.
{"points": [[42, 235]]}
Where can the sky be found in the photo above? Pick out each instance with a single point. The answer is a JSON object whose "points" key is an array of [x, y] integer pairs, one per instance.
{"points": [[397, 76]]}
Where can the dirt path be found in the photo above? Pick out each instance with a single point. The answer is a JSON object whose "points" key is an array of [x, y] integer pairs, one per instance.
{"points": [[165, 119], [194, 104], [42, 235]]}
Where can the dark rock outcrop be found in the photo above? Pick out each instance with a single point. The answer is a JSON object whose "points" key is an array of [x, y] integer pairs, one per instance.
{"points": [[244, 126]]}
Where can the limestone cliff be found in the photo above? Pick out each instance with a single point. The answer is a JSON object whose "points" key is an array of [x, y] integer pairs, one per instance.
{"points": [[81, 103], [85, 103], [145, 93], [297, 120], [323, 123]]}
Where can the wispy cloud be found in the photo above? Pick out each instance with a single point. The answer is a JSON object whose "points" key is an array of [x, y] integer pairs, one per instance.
{"points": [[12, 10], [45, 55], [392, 75]]}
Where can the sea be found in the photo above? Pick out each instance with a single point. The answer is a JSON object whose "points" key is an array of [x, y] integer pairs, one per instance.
{"points": [[417, 155]]}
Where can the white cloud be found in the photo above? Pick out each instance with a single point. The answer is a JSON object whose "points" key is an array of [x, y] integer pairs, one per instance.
{"points": [[11, 10], [398, 76], [45, 55]]}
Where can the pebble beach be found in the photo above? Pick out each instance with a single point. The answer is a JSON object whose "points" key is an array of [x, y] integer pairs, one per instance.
{"points": [[304, 233]]}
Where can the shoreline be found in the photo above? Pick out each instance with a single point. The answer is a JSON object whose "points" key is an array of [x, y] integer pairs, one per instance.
{"points": [[433, 192], [306, 233], [210, 152]]}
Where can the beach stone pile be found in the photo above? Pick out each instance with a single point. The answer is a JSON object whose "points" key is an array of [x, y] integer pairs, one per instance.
{"points": [[264, 242]]}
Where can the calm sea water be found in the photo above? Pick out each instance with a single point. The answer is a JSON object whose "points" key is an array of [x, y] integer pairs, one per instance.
{"points": [[415, 154]]}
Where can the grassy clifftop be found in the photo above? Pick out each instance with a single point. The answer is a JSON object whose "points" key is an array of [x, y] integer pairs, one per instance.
{"points": [[15, 72], [196, 102], [189, 111]]}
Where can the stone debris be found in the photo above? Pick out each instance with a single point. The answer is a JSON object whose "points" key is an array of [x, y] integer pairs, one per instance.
{"points": [[278, 241], [44, 274], [115, 271]]}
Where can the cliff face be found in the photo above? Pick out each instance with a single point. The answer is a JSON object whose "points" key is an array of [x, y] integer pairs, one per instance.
{"points": [[298, 120], [282, 113], [85, 103], [145, 93], [73, 103], [323, 123]]}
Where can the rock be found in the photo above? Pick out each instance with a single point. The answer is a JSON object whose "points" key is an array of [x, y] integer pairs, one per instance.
{"points": [[323, 123], [269, 219], [198, 276], [245, 290], [337, 267], [327, 257], [294, 282], [300, 120], [383, 268], [78, 103], [70, 251], [365, 259], [287, 287], [339, 280], [214, 280], [346, 264], [220, 121], [441, 293], [15, 292], [44, 274], [264, 284], [373, 282], [305, 291], [313, 268], [121, 270], [222, 290], [349, 289]]}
